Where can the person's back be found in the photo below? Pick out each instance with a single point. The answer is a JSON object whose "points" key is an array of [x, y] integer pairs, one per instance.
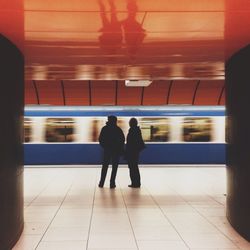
{"points": [[135, 142], [111, 138], [112, 141]]}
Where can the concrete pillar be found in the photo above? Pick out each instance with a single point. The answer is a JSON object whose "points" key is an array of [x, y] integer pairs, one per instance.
{"points": [[238, 139], [237, 35], [11, 150]]}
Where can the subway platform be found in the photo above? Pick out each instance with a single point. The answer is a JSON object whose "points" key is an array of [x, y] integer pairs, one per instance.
{"points": [[177, 207]]}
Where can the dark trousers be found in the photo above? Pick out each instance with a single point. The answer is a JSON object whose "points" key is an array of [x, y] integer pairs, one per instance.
{"points": [[134, 172], [107, 158]]}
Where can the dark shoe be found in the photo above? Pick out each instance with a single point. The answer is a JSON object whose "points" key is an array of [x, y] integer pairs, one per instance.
{"points": [[100, 185], [112, 186], [134, 186]]}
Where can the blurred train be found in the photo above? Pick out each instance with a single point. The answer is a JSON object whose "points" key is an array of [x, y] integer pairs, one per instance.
{"points": [[173, 134]]}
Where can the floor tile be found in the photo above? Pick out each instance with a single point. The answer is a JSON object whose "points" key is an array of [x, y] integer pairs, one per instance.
{"points": [[112, 241], [35, 228], [65, 245], [66, 233], [213, 241], [162, 245], [27, 242], [183, 209]]}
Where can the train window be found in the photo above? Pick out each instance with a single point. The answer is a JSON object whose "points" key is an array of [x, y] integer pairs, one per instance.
{"points": [[123, 125], [59, 130], [154, 129], [27, 130], [197, 129], [96, 126]]}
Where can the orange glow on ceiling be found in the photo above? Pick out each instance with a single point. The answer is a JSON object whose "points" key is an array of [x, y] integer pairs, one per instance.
{"points": [[126, 39]]}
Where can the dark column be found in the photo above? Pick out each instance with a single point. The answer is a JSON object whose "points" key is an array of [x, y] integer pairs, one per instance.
{"points": [[11, 151], [238, 139]]}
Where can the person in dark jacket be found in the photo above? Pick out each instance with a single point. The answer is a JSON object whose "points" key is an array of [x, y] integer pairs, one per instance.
{"points": [[112, 141], [134, 145]]}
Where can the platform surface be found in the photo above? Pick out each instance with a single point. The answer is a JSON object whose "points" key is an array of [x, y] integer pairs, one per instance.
{"points": [[176, 208]]}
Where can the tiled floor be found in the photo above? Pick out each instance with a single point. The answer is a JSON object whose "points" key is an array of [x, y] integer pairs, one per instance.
{"points": [[176, 208]]}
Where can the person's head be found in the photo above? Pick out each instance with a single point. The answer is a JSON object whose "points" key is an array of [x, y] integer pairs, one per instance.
{"points": [[112, 120], [133, 122]]}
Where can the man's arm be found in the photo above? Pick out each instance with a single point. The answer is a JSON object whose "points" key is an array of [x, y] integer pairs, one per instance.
{"points": [[101, 138]]}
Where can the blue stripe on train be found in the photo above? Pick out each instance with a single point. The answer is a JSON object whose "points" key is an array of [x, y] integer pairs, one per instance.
{"points": [[53, 154], [126, 111], [126, 114]]}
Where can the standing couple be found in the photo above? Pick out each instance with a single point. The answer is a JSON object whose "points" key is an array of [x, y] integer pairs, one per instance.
{"points": [[112, 141]]}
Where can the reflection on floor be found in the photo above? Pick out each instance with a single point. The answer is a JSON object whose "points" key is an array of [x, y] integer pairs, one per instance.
{"points": [[176, 208]]}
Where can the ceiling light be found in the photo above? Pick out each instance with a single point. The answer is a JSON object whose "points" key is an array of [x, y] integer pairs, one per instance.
{"points": [[137, 83]]}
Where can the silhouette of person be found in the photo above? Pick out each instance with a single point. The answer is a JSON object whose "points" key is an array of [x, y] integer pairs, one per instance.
{"points": [[134, 34], [111, 37], [134, 145], [112, 141]]}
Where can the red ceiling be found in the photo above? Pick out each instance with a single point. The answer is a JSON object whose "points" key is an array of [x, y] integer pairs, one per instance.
{"points": [[182, 92], [80, 52], [116, 93], [102, 93], [210, 92], [50, 92], [76, 93], [156, 93], [126, 39]]}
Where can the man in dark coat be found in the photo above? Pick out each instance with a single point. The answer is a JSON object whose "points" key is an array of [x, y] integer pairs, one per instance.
{"points": [[112, 141], [134, 145]]}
